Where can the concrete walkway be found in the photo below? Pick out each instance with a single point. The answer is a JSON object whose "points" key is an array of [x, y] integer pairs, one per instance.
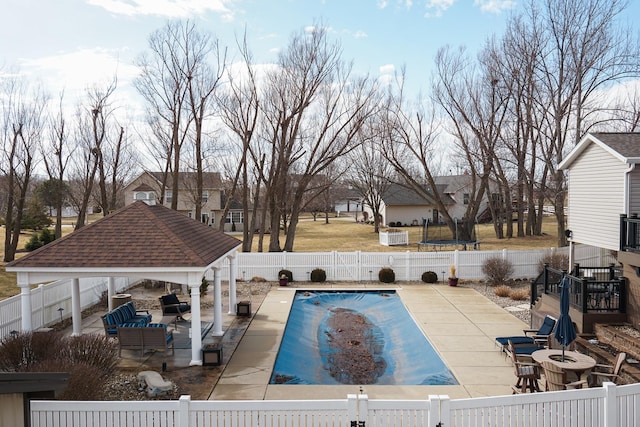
{"points": [[460, 323]]}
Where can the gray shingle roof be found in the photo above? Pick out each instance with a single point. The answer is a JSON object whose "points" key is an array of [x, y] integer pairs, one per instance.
{"points": [[627, 144], [400, 195]]}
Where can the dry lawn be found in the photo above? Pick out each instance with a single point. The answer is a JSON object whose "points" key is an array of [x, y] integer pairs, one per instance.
{"points": [[343, 234]]}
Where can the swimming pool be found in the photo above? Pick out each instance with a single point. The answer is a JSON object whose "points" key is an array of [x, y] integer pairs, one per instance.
{"points": [[355, 337]]}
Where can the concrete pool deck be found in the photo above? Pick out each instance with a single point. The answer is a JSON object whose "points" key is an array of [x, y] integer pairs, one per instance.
{"points": [[460, 323]]}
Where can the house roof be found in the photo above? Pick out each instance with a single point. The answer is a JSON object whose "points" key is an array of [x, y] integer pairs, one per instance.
{"points": [[143, 187], [622, 145], [188, 179], [136, 236], [400, 195], [453, 183]]}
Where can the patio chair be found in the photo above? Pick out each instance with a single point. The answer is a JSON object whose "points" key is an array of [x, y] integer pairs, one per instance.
{"points": [[528, 373], [532, 337], [172, 306], [602, 373], [556, 378]]}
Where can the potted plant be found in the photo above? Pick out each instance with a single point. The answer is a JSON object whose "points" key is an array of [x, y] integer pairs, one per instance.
{"points": [[283, 281], [453, 280]]}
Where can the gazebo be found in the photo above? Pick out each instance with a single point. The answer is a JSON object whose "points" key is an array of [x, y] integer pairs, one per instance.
{"points": [[139, 241]]}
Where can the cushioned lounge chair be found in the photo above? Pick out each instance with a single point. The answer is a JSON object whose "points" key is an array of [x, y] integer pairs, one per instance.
{"points": [[532, 337], [172, 306]]}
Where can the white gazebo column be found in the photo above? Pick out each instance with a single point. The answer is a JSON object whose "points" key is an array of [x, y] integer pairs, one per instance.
{"points": [[111, 291], [25, 304], [232, 283], [217, 304], [196, 325], [76, 312]]}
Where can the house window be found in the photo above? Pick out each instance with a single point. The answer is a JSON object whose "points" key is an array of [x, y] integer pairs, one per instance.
{"points": [[234, 217], [147, 197], [168, 196], [212, 216], [204, 218], [205, 197], [465, 198]]}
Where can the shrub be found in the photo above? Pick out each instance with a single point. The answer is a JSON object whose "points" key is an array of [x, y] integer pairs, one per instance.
{"points": [[21, 352], [387, 275], [497, 270], [429, 277], [502, 291], [204, 285], [92, 349], [318, 275], [555, 260], [520, 294], [89, 359], [38, 240], [287, 273]]}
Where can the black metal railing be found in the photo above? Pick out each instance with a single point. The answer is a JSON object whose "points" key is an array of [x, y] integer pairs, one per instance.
{"points": [[630, 233], [593, 289]]}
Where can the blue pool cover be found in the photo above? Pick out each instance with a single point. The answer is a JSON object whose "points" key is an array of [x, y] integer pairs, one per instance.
{"points": [[391, 341]]}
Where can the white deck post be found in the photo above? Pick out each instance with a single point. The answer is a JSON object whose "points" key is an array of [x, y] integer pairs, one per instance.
{"points": [[233, 262], [76, 312], [25, 304], [196, 322], [217, 304], [111, 291]]}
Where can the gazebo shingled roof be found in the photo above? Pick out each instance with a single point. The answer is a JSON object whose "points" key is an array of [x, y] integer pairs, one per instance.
{"points": [[138, 235], [139, 240]]}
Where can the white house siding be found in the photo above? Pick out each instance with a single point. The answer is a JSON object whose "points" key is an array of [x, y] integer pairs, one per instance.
{"points": [[596, 198], [406, 214], [634, 191]]}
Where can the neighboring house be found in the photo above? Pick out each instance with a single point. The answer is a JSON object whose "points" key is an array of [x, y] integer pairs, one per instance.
{"points": [[603, 190], [348, 200], [403, 205], [458, 188], [148, 185]]}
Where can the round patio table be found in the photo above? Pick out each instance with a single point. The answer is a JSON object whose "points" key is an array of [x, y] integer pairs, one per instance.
{"points": [[575, 362]]}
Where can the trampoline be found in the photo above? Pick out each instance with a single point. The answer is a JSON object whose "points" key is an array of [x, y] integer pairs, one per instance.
{"points": [[440, 237]]}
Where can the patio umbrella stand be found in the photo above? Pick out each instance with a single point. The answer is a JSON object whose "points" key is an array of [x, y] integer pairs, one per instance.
{"points": [[565, 332]]}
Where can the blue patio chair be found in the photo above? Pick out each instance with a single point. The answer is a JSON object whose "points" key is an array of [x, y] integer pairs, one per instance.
{"points": [[526, 344]]}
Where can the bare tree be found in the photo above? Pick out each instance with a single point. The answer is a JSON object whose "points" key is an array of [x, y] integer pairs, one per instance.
{"points": [[239, 108], [313, 109], [575, 62], [178, 82], [23, 120], [163, 85], [56, 153], [93, 126], [370, 173]]}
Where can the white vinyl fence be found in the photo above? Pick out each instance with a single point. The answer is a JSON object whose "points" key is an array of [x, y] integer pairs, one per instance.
{"points": [[393, 238], [608, 406], [364, 266], [52, 302]]}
